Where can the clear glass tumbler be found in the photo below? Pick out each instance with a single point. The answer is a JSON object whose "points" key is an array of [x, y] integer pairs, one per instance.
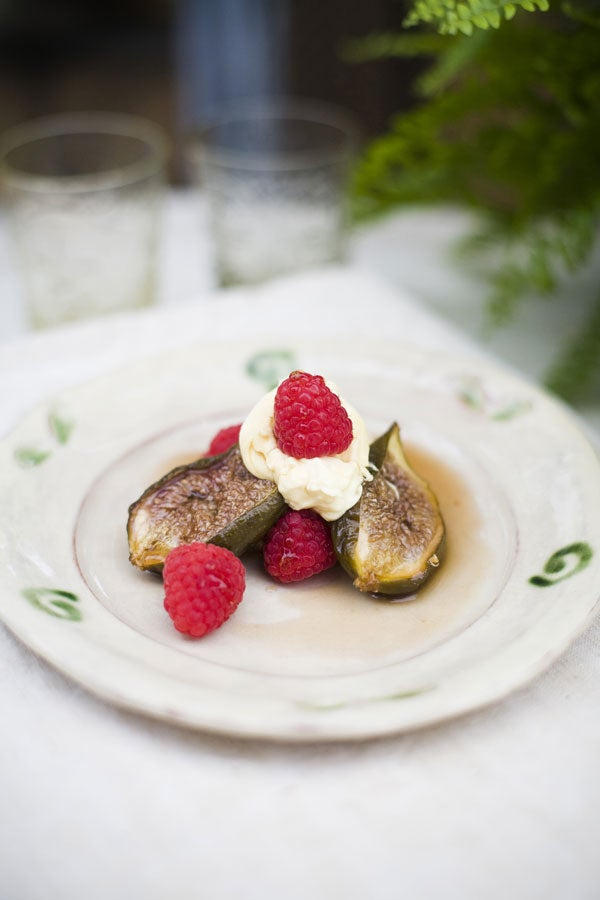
{"points": [[83, 192], [275, 178]]}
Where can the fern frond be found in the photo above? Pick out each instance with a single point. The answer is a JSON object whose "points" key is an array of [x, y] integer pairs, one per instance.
{"points": [[509, 128], [458, 55], [381, 45], [463, 16], [533, 260], [574, 372], [581, 11]]}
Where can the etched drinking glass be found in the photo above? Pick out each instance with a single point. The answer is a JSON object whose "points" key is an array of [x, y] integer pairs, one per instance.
{"points": [[83, 192], [275, 178]]}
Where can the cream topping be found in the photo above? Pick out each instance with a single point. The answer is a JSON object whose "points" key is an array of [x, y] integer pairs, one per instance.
{"points": [[328, 484]]}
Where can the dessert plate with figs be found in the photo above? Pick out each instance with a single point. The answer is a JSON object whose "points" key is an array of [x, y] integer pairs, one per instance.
{"points": [[465, 564]]}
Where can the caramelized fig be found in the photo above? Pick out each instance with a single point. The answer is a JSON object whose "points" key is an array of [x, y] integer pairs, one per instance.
{"points": [[389, 540], [214, 499]]}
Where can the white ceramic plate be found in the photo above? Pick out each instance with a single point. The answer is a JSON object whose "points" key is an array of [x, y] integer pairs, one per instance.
{"points": [[519, 488]]}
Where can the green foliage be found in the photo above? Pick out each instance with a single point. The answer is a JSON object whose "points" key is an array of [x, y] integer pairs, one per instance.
{"points": [[456, 16], [578, 366], [509, 126], [532, 259]]}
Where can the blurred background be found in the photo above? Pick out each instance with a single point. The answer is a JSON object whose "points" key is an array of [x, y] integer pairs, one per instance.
{"points": [[523, 152], [179, 61]]}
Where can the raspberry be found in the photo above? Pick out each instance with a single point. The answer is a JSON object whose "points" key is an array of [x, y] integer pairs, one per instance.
{"points": [[224, 439], [309, 419], [203, 586], [297, 546]]}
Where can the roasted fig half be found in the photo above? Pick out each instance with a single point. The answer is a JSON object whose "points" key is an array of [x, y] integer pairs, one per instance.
{"points": [[214, 499], [390, 539]]}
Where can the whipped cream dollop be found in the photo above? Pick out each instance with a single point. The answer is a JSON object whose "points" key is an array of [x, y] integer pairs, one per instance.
{"points": [[328, 484]]}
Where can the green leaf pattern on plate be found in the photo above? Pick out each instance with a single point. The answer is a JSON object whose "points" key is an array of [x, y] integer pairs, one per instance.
{"points": [[343, 704], [60, 429], [61, 604], [473, 394], [563, 564], [31, 456], [269, 367]]}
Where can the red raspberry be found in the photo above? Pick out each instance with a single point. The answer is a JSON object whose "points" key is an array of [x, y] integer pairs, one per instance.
{"points": [[297, 546], [309, 419], [224, 439], [203, 586]]}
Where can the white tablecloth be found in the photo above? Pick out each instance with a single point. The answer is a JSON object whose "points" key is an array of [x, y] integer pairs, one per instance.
{"points": [[98, 803]]}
